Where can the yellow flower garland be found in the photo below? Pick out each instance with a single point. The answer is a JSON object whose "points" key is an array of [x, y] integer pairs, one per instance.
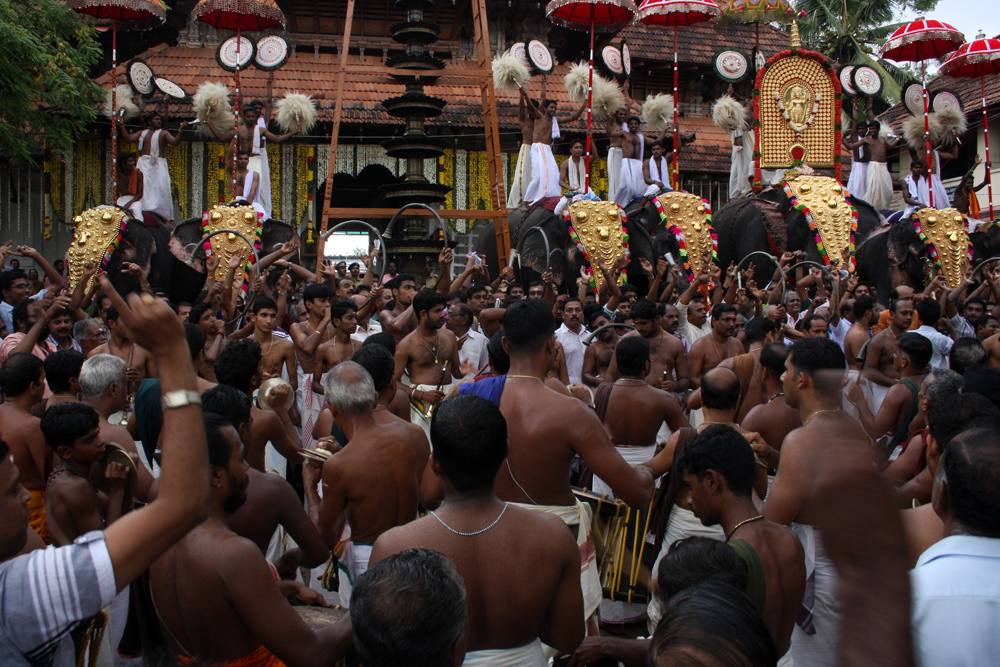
{"points": [[179, 166], [274, 167]]}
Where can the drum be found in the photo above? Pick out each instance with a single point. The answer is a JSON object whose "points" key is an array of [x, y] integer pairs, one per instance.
{"points": [[140, 77], [227, 56], [540, 57], [520, 52], [847, 80], [612, 59], [271, 52], [867, 81], [731, 66], [913, 98], [943, 99], [169, 88], [626, 60]]}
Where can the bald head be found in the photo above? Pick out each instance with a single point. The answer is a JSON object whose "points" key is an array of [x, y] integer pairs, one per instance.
{"points": [[349, 389], [720, 389]]}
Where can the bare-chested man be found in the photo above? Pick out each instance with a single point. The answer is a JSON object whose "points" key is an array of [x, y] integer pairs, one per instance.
{"points": [[22, 378], [711, 350], [139, 362], [774, 418], [859, 334], [632, 410], [428, 356], [216, 598], [541, 448], [75, 503], [343, 319], [667, 356], [103, 386], [718, 467], [597, 356], [277, 354], [878, 180], [879, 369], [522, 172], [814, 374], [544, 170], [619, 141], [239, 365], [372, 481], [493, 543], [307, 335]]}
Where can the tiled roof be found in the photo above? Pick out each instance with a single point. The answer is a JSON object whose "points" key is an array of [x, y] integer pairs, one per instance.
{"points": [[697, 44]]}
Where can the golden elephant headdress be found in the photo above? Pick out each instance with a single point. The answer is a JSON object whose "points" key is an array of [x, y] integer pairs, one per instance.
{"points": [[689, 218], [242, 219], [828, 211], [945, 233], [96, 235], [599, 231]]}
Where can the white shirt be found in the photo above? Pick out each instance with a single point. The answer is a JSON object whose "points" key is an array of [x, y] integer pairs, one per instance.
{"points": [[573, 348], [941, 344], [839, 332], [361, 333], [956, 602], [687, 329], [473, 351]]}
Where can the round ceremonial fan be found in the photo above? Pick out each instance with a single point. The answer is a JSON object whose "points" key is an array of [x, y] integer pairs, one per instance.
{"points": [[539, 56], [612, 59], [945, 99], [626, 60], [847, 80], [226, 55], [169, 88], [140, 77], [913, 98], [521, 53], [731, 66], [271, 52], [866, 81]]}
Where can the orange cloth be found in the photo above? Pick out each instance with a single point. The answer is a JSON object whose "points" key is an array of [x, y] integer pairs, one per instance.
{"points": [[36, 515], [973, 205], [259, 658], [883, 322]]}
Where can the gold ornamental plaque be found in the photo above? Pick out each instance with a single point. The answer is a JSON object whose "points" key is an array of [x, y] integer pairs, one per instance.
{"points": [[96, 234], [944, 231], [831, 212], [797, 110], [242, 219], [598, 225], [689, 214]]}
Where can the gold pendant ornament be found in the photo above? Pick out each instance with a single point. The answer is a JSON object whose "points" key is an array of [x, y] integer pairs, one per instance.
{"points": [[945, 234], [598, 229], [96, 235], [242, 219]]}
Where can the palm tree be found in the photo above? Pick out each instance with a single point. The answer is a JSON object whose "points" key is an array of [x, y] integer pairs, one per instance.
{"points": [[851, 32]]}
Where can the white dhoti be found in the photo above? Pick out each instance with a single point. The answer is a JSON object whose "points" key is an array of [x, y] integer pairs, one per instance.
{"points": [[258, 201], [310, 405], [258, 162], [544, 174], [156, 196], [529, 655], [816, 636], [135, 208], [878, 395], [353, 563], [866, 386], [582, 516], [682, 523], [418, 409], [632, 456], [878, 186], [941, 198], [857, 184], [614, 170], [631, 184], [741, 164], [522, 177]]}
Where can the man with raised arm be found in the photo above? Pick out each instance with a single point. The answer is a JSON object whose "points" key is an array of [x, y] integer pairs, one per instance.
{"points": [[308, 335], [158, 197], [544, 170], [48, 592], [493, 543]]}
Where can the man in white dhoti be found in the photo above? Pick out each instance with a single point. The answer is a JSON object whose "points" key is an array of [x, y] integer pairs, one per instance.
{"points": [[916, 189], [248, 183], [878, 184], [157, 194], [741, 166], [130, 185], [656, 171], [860, 157], [572, 177], [616, 137], [522, 172], [544, 170]]}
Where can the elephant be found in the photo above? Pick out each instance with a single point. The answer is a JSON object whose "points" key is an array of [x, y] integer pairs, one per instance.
{"points": [[740, 225]]}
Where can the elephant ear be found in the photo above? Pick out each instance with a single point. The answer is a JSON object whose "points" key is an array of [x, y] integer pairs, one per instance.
{"points": [[184, 241], [274, 234]]}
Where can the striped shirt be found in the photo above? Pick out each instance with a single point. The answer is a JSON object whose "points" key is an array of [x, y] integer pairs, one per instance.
{"points": [[46, 593]]}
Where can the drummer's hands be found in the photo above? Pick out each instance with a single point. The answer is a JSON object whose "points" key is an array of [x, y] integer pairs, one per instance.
{"points": [[153, 324], [115, 476], [295, 590]]}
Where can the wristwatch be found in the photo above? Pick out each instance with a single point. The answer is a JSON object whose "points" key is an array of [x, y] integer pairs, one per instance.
{"points": [[180, 399]]}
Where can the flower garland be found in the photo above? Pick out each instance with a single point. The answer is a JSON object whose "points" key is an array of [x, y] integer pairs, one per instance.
{"points": [[932, 248], [817, 238], [53, 181], [251, 260], [575, 239], [275, 174], [678, 233], [179, 167]]}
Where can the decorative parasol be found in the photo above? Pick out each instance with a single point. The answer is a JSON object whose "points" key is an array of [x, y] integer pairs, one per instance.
{"points": [[132, 15], [978, 58], [675, 13], [756, 12], [917, 42], [239, 15], [591, 15]]}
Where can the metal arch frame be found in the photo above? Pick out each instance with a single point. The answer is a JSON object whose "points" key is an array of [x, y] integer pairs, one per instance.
{"points": [[777, 263], [251, 295], [592, 336], [548, 248], [982, 264], [813, 263], [395, 216], [381, 245]]}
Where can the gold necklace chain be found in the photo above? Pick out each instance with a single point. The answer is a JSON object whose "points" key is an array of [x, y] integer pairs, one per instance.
{"points": [[526, 377], [736, 527], [819, 412]]}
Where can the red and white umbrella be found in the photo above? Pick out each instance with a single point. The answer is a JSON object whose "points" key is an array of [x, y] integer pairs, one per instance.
{"points": [[676, 13], [131, 15], [981, 58], [918, 41], [239, 15], [591, 16]]}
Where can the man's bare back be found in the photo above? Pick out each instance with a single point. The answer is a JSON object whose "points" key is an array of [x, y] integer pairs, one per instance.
{"points": [[636, 411], [854, 341], [23, 434]]}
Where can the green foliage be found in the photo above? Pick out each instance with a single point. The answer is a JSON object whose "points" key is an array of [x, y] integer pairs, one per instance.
{"points": [[851, 32], [46, 94]]}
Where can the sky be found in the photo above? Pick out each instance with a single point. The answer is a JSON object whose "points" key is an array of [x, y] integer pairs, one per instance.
{"points": [[969, 16]]}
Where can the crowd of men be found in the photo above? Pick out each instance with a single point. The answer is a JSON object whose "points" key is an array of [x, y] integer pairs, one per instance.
{"points": [[824, 470]]}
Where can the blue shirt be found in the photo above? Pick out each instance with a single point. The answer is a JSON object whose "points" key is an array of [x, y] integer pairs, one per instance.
{"points": [[956, 602]]}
